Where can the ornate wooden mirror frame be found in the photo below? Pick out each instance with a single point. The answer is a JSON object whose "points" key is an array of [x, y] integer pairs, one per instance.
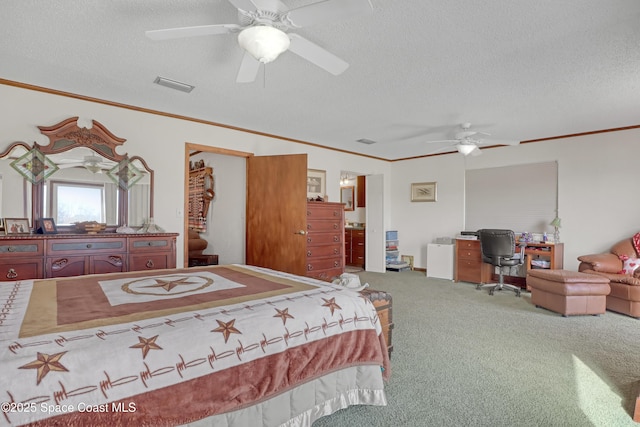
{"points": [[65, 136]]}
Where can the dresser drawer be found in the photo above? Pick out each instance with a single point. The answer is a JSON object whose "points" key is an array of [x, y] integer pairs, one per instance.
{"points": [[85, 246], [142, 262], [150, 244], [21, 248], [325, 212], [21, 269], [324, 251], [470, 254], [314, 238], [325, 264], [325, 275], [324, 226]]}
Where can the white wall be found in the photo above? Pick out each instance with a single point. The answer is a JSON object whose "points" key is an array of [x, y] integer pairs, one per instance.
{"points": [[596, 176], [160, 140]]}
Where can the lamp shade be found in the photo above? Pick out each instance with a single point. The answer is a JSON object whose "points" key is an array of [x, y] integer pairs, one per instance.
{"points": [[264, 42], [465, 149], [557, 222]]}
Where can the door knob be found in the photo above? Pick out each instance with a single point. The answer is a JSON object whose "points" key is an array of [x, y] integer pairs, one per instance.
{"points": [[302, 232]]}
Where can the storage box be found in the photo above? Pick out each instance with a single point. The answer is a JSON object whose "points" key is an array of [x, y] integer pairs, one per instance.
{"points": [[392, 235]]}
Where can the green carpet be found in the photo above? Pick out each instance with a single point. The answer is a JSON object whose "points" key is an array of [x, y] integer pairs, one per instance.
{"points": [[464, 358]]}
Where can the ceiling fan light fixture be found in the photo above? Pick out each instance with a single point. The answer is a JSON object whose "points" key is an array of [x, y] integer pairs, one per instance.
{"points": [[263, 42], [465, 149], [93, 168]]}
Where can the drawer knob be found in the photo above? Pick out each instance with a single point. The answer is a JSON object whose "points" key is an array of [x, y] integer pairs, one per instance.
{"points": [[336, 238], [11, 249], [336, 263], [89, 245], [150, 263], [11, 274], [336, 251], [335, 226], [309, 267], [148, 243], [308, 253]]}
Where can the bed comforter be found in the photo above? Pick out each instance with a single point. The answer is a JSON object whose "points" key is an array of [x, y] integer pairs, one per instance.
{"points": [[170, 347]]}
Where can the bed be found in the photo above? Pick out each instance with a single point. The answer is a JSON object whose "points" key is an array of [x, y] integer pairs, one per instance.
{"points": [[230, 345]]}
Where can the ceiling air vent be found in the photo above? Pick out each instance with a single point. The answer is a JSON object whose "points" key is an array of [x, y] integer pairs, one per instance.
{"points": [[366, 141]]}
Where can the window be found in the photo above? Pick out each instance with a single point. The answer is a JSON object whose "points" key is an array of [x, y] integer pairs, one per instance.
{"points": [[77, 202]]}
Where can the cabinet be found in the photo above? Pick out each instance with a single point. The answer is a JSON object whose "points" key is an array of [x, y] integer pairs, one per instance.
{"points": [[64, 255], [325, 240], [469, 266], [354, 244], [361, 191]]}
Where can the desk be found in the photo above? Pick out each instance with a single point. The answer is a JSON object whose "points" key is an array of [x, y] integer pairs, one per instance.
{"points": [[470, 268], [554, 253]]}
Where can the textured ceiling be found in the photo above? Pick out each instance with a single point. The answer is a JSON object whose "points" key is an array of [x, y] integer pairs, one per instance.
{"points": [[517, 69]]}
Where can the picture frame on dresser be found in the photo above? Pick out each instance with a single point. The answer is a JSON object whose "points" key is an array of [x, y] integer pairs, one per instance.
{"points": [[2, 225], [316, 184], [16, 226], [47, 226]]}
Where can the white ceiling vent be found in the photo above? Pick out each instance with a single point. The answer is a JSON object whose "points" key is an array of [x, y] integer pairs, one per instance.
{"points": [[173, 84], [366, 141]]}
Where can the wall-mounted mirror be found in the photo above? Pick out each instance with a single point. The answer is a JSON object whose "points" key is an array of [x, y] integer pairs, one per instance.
{"points": [[92, 182], [346, 197]]}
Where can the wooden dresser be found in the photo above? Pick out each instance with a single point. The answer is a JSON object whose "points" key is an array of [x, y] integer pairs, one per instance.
{"points": [[384, 305], [325, 240], [62, 255], [469, 266], [354, 244]]}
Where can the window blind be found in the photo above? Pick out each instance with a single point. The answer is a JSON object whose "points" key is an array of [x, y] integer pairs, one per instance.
{"points": [[520, 198]]}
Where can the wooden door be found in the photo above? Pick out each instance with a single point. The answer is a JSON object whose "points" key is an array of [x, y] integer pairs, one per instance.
{"points": [[277, 212]]}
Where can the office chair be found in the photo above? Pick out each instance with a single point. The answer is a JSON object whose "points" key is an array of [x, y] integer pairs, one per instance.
{"points": [[498, 248]]}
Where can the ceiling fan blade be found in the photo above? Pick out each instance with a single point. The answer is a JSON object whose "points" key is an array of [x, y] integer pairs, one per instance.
{"points": [[246, 5], [452, 141], [271, 5], [446, 148], [327, 11], [202, 30], [248, 69], [317, 55], [503, 142]]}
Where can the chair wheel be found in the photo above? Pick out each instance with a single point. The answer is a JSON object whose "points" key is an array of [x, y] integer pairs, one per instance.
{"points": [[517, 294], [491, 292]]}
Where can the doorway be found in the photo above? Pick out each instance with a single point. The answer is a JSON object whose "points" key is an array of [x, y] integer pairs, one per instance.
{"points": [[225, 220]]}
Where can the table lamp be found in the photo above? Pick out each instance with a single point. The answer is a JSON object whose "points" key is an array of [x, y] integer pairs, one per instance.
{"points": [[556, 223]]}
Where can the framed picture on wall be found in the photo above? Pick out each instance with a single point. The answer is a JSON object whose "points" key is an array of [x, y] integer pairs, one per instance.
{"points": [[316, 184], [423, 192]]}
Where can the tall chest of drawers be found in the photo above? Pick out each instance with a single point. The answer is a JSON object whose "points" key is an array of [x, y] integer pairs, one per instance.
{"points": [[325, 240], [469, 265]]}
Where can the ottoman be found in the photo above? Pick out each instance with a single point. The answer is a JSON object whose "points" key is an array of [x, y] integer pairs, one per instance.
{"points": [[568, 292]]}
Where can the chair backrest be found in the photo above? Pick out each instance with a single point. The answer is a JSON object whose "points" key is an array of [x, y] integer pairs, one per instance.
{"points": [[496, 244]]}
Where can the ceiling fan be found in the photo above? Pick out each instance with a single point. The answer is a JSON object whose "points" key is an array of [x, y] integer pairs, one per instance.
{"points": [[468, 142], [263, 32], [94, 164]]}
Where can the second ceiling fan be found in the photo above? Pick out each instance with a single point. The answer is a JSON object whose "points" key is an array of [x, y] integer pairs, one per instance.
{"points": [[468, 142], [263, 32]]}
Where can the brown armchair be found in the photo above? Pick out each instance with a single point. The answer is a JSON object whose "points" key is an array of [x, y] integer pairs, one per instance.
{"points": [[625, 288]]}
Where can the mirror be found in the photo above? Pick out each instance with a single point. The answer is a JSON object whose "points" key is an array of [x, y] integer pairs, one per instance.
{"points": [[346, 197], [92, 182], [14, 189]]}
